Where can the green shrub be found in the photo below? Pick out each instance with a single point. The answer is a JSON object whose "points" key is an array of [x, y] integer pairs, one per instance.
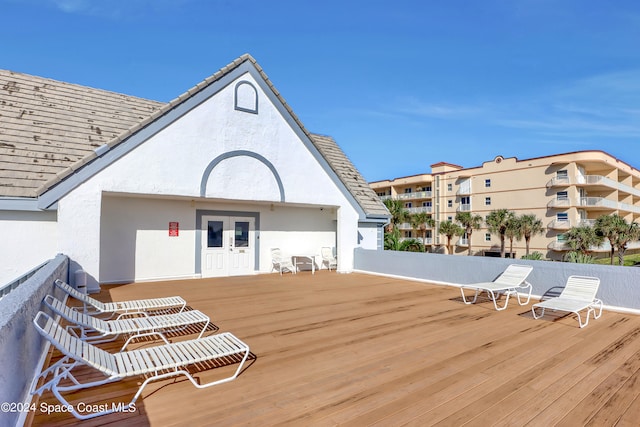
{"points": [[533, 255], [412, 245], [579, 257]]}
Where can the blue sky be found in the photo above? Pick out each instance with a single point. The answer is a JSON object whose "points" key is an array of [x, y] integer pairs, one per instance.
{"points": [[400, 85]]}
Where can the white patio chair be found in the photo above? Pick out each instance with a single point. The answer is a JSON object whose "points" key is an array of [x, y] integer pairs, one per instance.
{"points": [[578, 294], [279, 263], [95, 330], [328, 258], [512, 281], [155, 363], [141, 306]]}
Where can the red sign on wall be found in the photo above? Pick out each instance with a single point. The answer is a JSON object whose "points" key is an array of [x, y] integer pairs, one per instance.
{"points": [[174, 229]]}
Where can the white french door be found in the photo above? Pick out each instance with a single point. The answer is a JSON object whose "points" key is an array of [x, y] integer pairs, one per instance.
{"points": [[228, 246]]}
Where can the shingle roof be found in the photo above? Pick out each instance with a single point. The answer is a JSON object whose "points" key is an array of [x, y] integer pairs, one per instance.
{"points": [[349, 175], [47, 125], [49, 129]]}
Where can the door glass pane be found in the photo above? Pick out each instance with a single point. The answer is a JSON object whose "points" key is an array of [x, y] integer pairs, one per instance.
{"points": [[241, 234], [214, 234]]}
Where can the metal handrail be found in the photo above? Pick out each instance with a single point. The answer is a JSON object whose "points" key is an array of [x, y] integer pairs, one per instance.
{"points": [[6, 289]]}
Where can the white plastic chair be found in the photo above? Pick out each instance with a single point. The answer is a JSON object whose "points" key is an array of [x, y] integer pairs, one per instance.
{"points": [[328, 258], [512, 281], [578, 294], [279, 263]]}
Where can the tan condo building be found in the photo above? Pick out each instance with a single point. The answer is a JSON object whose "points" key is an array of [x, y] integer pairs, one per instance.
{"points": [[562, 190]]}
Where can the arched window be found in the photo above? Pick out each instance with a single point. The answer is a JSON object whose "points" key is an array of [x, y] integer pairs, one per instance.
{"points": [[246, 97]]}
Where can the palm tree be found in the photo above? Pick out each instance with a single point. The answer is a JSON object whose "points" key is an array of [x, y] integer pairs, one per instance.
{"points": [[583, 238], [626, 234], [450, 229], [530, 226], [609, 226], [469, 222], [421, 221], [513, 231], [497, 222], [398, 212]]}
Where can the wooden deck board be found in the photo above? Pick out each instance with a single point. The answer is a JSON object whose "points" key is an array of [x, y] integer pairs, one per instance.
{"points": [[338, 349]]}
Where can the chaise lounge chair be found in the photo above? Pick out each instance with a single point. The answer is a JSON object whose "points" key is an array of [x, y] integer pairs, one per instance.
{"points": [[140, 306], [96, 330], [155, 363], [579, 294], [511, 281]]}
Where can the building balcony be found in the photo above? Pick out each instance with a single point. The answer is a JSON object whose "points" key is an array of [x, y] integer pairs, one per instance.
{"points": [[464, 207], [598, 203], [587, 222], [559, 182], [594, 203], [559, 224], [462, 242], [420, 209], [413, 196], [558, 246], [559, 203], [563, 246], [388, 196], [596, 180]]}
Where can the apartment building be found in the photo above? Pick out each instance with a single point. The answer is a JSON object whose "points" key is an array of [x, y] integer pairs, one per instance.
{"points": [[562, 190]]}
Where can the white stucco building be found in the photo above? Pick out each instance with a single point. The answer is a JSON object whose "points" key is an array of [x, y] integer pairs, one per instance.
{"points": [[206, 185]]}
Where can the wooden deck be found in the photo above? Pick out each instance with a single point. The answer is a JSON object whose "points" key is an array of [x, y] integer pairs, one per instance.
{"points": [[354, 349]]}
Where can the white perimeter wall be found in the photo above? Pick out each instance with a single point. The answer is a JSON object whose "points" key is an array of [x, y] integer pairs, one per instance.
{"points": [[27, 240], [135, 242]]}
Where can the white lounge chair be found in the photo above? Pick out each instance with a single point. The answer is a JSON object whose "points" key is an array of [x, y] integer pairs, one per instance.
{"points": [[328, 258], [141, 306], [279, 263], [512, 281], [155, 363], [96, 330], [578, 294]]}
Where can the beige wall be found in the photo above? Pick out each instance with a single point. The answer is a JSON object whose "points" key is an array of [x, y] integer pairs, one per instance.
{"points": [[605, 184]]}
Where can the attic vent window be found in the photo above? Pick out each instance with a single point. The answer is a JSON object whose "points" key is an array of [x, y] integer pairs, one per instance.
{"points": [[246, 97]]}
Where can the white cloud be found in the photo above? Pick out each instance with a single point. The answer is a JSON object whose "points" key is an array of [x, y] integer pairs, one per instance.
{"points": [[116, 9]]}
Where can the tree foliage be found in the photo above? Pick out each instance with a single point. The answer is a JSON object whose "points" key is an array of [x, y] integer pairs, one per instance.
{"points": [[450, 229], [469, 222], [583, 239], [530, 226], [497, 222]]}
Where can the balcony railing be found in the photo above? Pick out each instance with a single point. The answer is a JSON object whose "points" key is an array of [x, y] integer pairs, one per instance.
{"points": [[587, 222], [462, 242], [560, 224], [419, 209], [7, 288], [559, 202], [593, 180], [559, 182], [464, 207], [563, 246], [416, 195], [598, 202], [593, 202]]}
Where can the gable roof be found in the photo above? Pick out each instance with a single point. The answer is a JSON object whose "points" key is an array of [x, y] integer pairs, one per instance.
{"points": [[50, 131]]}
